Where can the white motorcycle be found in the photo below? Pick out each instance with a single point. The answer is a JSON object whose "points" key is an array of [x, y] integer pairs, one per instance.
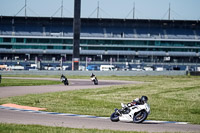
{"points": [[64, 80], [94, 79], [136, 113]]}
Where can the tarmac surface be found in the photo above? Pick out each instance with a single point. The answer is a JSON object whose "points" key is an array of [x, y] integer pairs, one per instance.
{"points": [[74, 84], [50, 119]]}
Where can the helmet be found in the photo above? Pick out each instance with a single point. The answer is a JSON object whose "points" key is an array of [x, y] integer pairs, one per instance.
{"points": [[144, 99]]}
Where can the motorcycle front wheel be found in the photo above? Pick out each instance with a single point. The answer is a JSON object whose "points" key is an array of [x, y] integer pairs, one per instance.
{"points": [[114, 117], [140, 116]]}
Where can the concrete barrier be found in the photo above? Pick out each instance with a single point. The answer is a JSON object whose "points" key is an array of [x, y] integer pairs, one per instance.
{"points": [[194, 73], [98, 73]]}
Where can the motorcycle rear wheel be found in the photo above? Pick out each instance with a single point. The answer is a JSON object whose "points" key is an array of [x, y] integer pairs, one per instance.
{"points": [[140, 116], [66, 83], [114, 117], [95, 82]]}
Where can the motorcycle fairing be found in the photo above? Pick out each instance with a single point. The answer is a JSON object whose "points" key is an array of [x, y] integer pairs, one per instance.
{"points": [[129, 117]]}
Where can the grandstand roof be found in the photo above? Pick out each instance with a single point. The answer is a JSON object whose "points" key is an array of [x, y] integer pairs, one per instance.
{"points": [[103, 21]]}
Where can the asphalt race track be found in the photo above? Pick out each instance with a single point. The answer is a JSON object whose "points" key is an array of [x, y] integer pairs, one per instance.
{"points": [[75, 84], [25, 117]]}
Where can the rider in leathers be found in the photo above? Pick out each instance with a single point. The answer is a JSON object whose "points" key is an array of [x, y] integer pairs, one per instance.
{"points": [[138, 101]]}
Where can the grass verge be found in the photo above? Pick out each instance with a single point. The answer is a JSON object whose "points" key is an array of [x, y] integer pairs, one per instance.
{"points": [[49, 76], [15, 128], [26, 82], [172, 98]]}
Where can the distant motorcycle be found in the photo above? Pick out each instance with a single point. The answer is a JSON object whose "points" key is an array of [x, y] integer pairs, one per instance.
{"points": [[64, 80], [136, 113], [94, 79]]}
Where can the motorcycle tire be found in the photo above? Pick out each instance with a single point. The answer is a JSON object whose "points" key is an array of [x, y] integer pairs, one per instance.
{"points": [[114, 117], [95, 82], [140, 116], [66, 83]]}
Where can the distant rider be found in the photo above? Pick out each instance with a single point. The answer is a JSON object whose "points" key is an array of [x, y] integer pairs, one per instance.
{"points": [[62, 78], [92, 75]]}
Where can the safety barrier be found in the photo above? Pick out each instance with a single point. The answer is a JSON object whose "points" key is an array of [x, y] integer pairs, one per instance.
{"points": [[98, 73]]}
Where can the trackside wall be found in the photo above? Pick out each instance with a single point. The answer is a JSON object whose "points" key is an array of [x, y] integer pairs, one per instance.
{"points": [[98, 73]]}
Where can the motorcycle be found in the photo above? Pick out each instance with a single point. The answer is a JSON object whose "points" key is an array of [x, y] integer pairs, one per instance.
{"points": [[94, 79], [135, 114], [64, 80]]}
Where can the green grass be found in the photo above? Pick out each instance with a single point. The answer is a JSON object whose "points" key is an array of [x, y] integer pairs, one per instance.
{"points": [[49, 76], [15, 128], [26, 82], [172, 98]]}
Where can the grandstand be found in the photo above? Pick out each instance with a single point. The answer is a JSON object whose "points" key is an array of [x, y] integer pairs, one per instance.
{"points": [[127, 40]]}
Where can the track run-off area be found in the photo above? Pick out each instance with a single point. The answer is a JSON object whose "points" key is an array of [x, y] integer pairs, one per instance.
{"points": [[23, 116]]}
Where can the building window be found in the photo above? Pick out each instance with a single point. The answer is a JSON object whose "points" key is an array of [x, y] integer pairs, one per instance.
{"points": [[6, 39], [19, 40]]}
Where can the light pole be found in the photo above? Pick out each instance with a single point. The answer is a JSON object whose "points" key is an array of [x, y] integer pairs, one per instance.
{"points": [[76, 36]]}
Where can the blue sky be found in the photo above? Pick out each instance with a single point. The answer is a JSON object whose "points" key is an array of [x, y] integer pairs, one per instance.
{"points": [[144, 9]]}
